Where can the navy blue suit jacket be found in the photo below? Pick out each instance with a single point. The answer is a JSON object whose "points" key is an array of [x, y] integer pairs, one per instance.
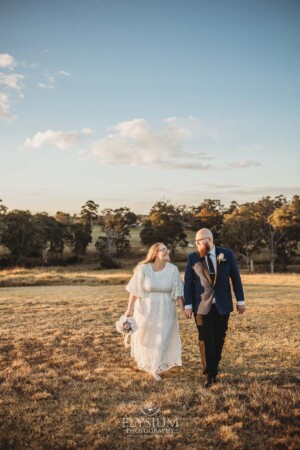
{"points": [[226, 270]]}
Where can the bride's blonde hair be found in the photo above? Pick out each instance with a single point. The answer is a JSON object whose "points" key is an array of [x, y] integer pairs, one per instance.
{"points": [[151, 255]]}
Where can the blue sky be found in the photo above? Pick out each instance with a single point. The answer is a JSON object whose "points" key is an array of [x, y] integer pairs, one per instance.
{"points": [[130, 102]]}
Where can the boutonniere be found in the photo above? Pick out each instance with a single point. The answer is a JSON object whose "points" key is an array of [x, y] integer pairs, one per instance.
{"points": [[221, 258]]}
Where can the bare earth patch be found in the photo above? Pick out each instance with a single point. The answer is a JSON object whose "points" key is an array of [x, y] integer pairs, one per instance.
{"points": [[66, 381]]}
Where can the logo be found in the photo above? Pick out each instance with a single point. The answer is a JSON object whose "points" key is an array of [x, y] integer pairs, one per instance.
{"points": [[149, 421], [150, 410]]}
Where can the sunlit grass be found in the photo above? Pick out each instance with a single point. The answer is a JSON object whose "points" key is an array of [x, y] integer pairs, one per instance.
{"points": [[66, 380], [80, 275], [61, 276]]}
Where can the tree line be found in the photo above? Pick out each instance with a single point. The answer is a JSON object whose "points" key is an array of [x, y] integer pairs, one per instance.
{"points": [[271, 225]]}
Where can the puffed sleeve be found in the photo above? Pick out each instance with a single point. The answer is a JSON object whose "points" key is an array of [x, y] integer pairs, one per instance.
{"points": [[135, 285], [177, 285]]}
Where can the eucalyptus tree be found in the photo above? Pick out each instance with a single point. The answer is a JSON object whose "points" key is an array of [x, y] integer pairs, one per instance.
{"points": [[21, 235], [209, 214], [241, 231], [164, 224], [116, 230], [89, 213]]}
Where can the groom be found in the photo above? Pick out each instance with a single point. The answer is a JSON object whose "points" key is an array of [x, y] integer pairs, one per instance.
{"points": [[207, 294]]}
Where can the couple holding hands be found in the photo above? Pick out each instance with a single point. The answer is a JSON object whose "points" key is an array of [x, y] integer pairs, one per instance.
{"points": [[156, 287]]}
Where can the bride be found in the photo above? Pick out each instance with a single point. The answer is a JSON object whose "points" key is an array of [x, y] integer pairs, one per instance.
{"points": [[154, 289]]}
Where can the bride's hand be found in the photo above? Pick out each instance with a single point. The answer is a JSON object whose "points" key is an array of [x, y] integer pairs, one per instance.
{"points": [[128, 314], [188, 313]]}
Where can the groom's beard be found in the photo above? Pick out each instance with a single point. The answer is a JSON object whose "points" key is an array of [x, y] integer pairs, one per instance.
{"points": [[204, 249]]}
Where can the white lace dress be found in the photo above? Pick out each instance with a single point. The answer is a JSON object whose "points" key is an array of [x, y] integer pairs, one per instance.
{"points": [[156, 345]]}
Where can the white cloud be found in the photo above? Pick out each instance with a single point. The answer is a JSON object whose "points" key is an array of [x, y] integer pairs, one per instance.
{"points": [[64, 73], [28, 65], [4, 107], [134, 142], [192, 165], [7, 60], [243, 163], [45, 86], [60, 139], [193, 126], [13, 81], [49, 82], [86, 131]]}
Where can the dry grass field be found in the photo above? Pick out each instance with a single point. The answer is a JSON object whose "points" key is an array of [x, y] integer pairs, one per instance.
{"points": [[67, 382], [55, 276]]}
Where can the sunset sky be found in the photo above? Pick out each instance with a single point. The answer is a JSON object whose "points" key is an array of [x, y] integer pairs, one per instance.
{"points": [[128, 102]]}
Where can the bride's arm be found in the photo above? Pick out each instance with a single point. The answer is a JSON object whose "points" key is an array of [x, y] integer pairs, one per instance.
{"points": [[131, 301], [180, 303]]}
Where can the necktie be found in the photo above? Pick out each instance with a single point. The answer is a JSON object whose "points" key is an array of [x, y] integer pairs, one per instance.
{"points": [[211, 268]]}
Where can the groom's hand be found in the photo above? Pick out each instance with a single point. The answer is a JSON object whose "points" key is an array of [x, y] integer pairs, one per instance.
{"points": [[240, 309], [187, 313]]}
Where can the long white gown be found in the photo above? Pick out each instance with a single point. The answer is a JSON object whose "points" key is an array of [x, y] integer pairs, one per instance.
{"points": [[156, 345]]}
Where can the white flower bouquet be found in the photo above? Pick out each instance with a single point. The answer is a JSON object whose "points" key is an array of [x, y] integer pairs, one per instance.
{"points": [[126, 326]]}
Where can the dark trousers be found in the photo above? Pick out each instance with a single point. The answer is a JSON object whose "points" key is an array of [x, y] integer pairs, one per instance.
{"points": [[212, 329]]}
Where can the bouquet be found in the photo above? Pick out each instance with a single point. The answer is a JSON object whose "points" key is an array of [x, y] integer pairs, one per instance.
{"points": [[126, 326]]}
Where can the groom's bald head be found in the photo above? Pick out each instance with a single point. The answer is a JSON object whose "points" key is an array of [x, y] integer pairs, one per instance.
{"points": [[204, 241], [204, 233]]}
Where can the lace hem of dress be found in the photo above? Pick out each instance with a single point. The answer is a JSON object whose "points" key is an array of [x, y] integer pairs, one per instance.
{"points": [[162, 368]]}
